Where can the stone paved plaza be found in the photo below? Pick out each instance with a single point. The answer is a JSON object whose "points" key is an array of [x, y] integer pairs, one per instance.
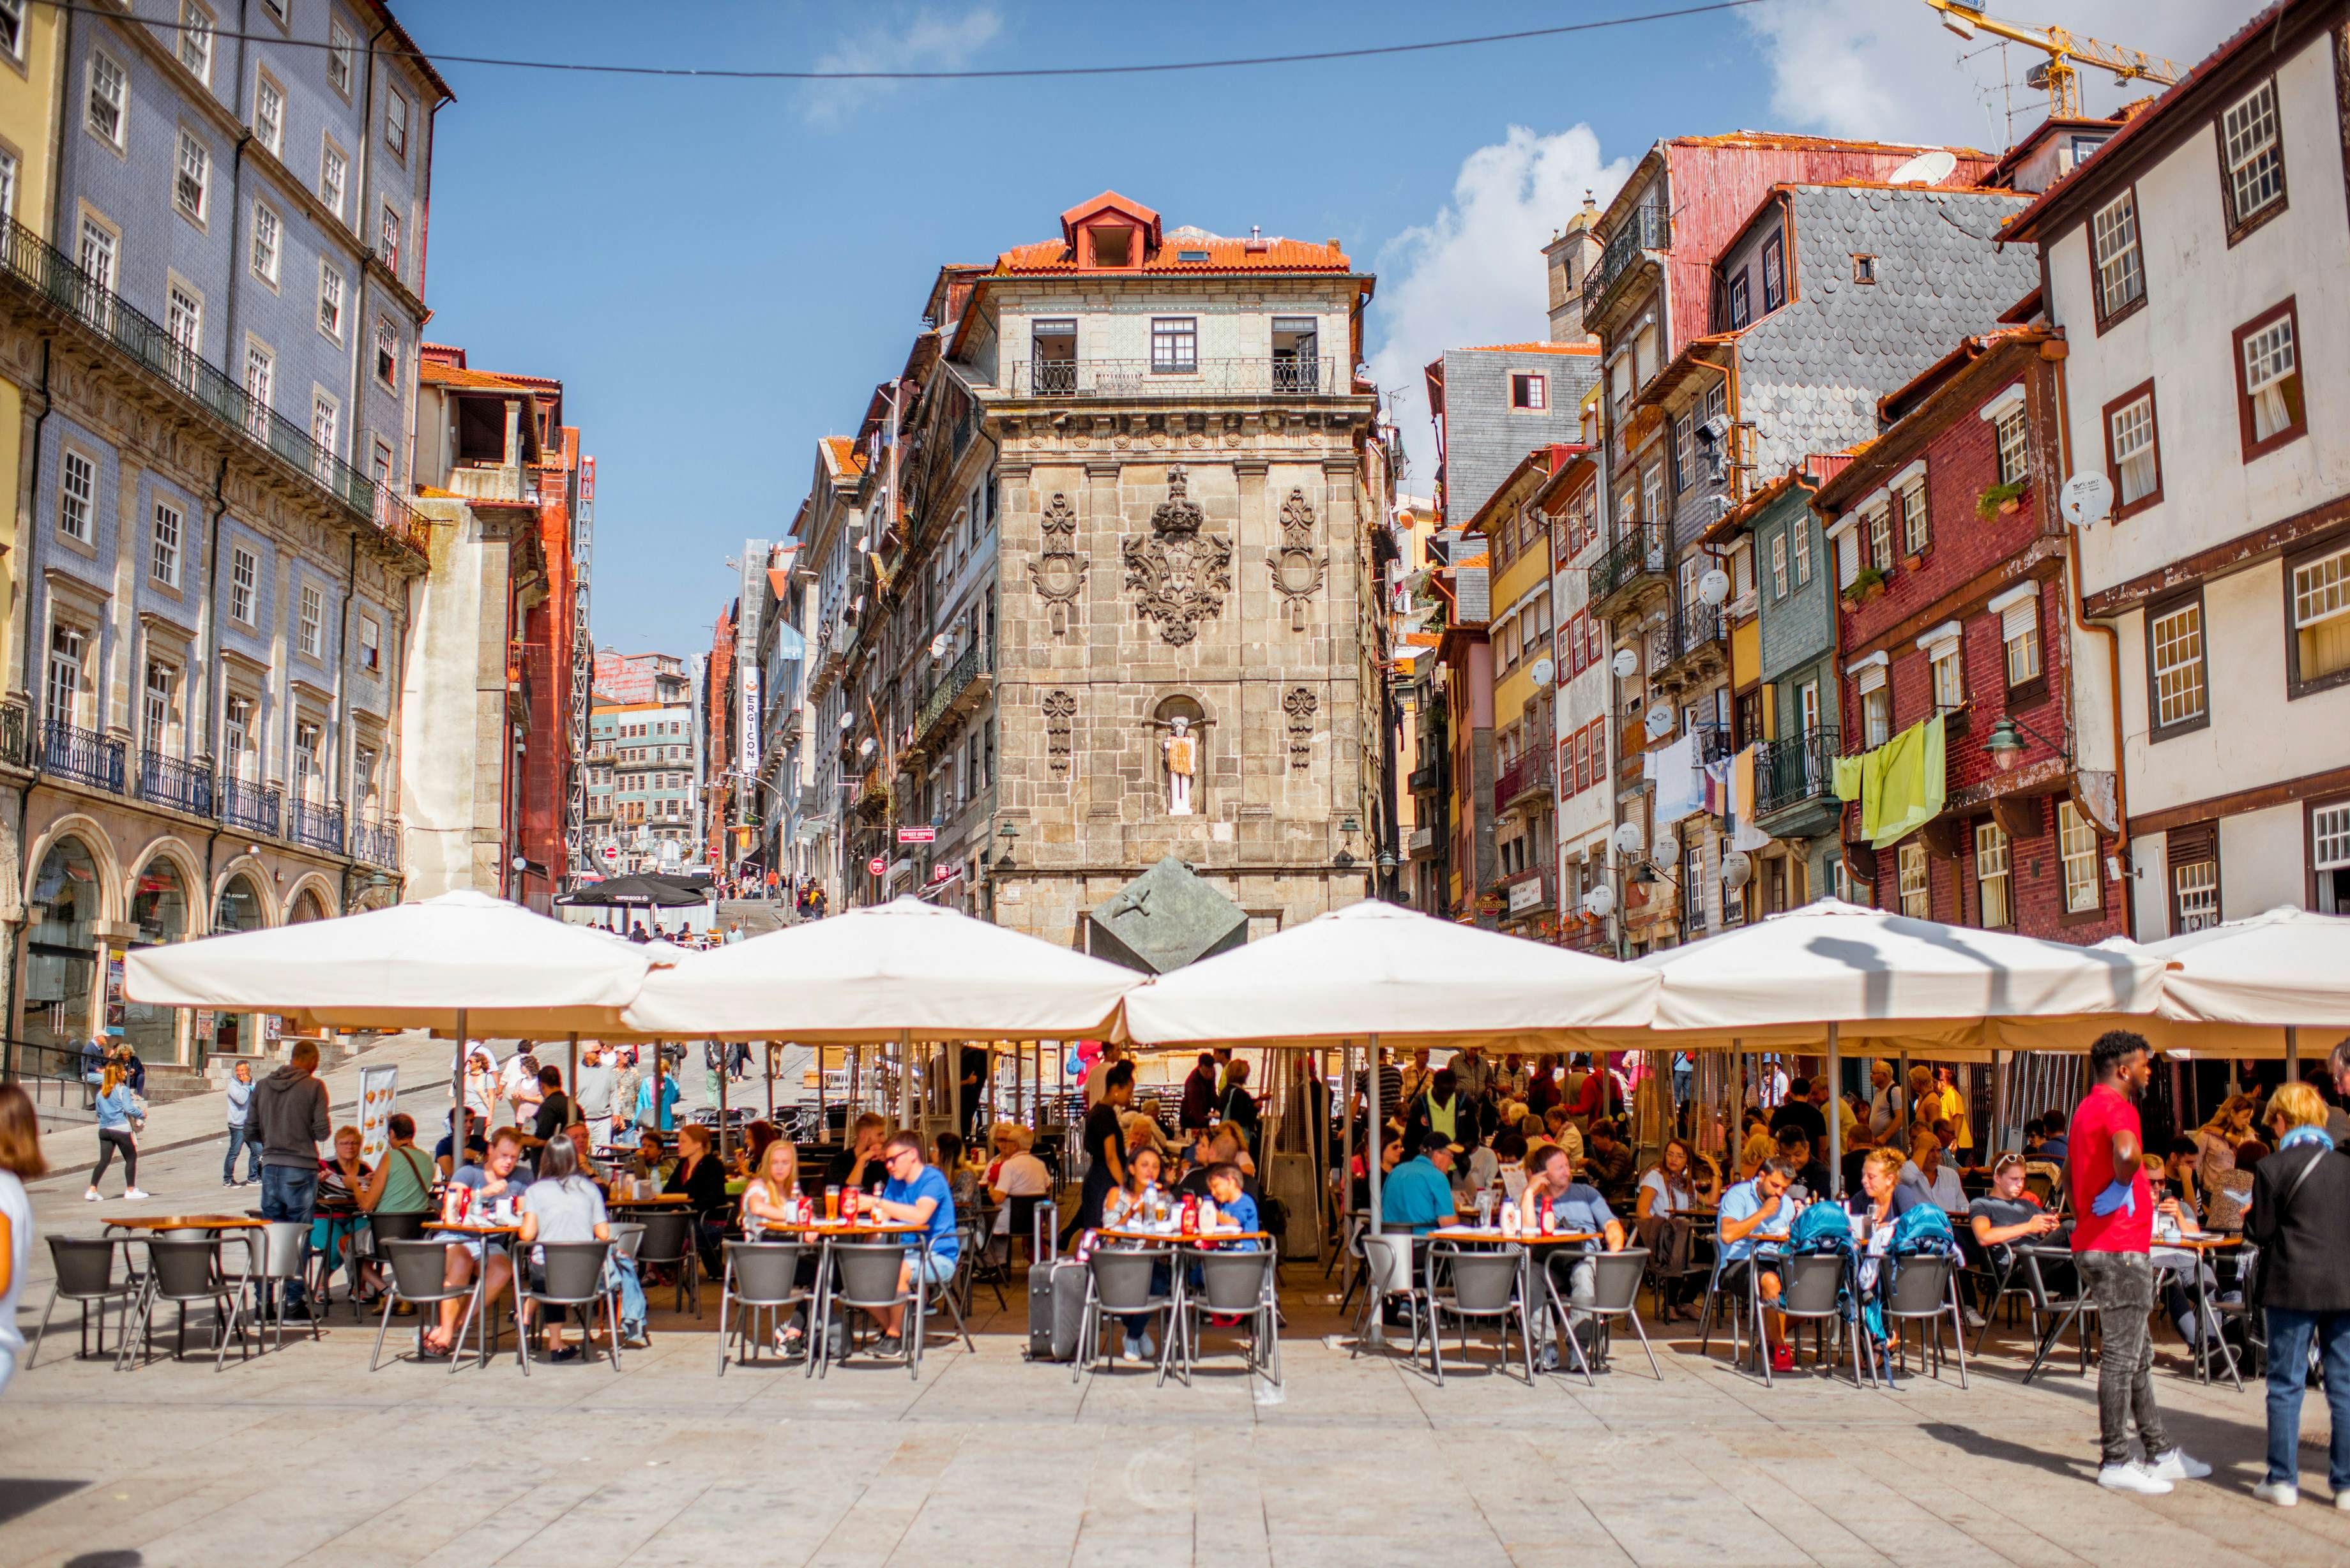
{"points": [[301, 1456]]}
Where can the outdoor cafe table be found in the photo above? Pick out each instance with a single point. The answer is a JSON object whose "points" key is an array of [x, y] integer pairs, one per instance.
{"points": [[167, 1224], [481, 1307], [2203, 1246], [1493, 1236], [826, 1233]]}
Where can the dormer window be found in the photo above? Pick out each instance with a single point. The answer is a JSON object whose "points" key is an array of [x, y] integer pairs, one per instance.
{"points": [[1112, 247]]}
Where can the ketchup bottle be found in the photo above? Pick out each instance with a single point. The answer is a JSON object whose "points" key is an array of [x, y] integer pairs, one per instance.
{"points": [[1190, 1214]]}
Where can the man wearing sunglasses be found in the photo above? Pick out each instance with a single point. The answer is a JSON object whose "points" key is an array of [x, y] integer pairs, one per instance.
{"points": [[920, 1197]]}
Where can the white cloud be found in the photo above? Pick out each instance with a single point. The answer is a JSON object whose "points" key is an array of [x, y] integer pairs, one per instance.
{"points": [[1473, 274], [923, 41], [1888, 69]]}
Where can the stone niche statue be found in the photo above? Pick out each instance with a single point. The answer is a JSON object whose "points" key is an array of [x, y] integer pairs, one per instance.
{"points": [[1180, 749]]}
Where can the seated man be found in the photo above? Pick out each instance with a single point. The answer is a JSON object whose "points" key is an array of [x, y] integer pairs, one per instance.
{"points": [[477, 1148], [1608, 1167], [1929, 1176], [653, 1162], [2008, 1214], [581, 1143], [1575, 1208], [1416, 1195], [919, 1194], [861, 1159], [1752, 1212], [1811, 1174], [497, 1178]]}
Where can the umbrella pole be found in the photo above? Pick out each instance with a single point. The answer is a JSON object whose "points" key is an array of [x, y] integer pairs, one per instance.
{"points": [[1375, 1322], [2292, 1054], [571, 1084], [1346, 1143], [723, 1077], [771, 1081], [457, 1099], [1909, 1112], [823, 1122], [905, 1079], [1835, 1112]]}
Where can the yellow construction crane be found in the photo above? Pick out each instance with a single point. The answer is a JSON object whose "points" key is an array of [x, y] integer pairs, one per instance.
{"points": [[2056, 75]]}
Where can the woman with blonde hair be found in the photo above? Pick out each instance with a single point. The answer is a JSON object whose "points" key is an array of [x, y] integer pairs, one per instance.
{"points": [[118, 1120], [1759, 1149], [773, 1185], [2215, 1161], [20, 1161], [2300, 1194]]}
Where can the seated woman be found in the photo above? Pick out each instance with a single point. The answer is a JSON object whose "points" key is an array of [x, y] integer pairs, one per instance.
{"points": [[563, 1205], [1886, 1198], [1667, 1196], [768, 1200], [1014, 1173], [756, 1139], [961, 1180], [335, 1222], [1130, 1206], [702, 1179]]}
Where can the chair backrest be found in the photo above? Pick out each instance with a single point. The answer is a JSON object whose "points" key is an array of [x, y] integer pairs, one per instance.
{"points": [[575, 1270], [867, 1271], [669, 1232], [1022, 1215], [85, 1265], [1386, 1260], [1809, 1283], [2041, 1187], [186, 1268], [628, 1235], [1482, 1281], [1236, 1282], [1921, 1287], [766, 1272], [1615, 1278], [281, 1248], [396, 1227], [418, 1268], [1122, 1275]]}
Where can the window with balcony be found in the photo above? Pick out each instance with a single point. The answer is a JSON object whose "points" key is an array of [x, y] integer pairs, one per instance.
{"points": [[2253, 156], [1529, 392], [2269, 408], [2175, 663], [163, 546], [306, 760], [2076, 844], [2318, 588], [1994, 909], [192, 183], [159, 707], [1652, 493], [99, 246], [1053, 354], [67, 645], [2134, 450], [1917, 892], [2119, 271], [236, 736]]}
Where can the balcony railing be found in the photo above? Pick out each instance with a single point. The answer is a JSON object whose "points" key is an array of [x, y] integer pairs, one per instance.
{"points": [[1528, 774], [1422, 840], [13, 749], [1795, 769], [1264, 375], [319, 826], [1422, 780], [84, 757], [166, 779], [1696, 628], [977, 660], [252, 806], [1640, 553], [1647, 230], [32, 263], [377, 843], [1712, 742]]}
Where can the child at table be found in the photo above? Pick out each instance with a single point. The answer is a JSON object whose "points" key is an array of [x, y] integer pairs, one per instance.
{"points": [[1235, 1208]]}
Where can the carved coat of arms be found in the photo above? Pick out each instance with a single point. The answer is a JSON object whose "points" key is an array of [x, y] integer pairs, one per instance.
{"points": [[1179, 574]]}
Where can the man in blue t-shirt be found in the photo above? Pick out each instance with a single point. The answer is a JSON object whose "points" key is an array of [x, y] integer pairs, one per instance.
{"points": [[1754, 1213], [920, 1196], [1418, 1194]]}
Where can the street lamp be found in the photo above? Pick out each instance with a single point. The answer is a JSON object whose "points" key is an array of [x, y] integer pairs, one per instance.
{"points": [[1010, 834], [2006, 744]]}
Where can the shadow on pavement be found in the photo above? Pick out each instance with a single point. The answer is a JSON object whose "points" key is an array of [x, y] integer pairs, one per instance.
{"points": [[18, 1497]]}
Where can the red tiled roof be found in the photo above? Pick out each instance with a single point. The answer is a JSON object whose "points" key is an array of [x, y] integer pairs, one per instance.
{"points": [[1223, 255], [841, 453], [433, 372], [1532, 349]]}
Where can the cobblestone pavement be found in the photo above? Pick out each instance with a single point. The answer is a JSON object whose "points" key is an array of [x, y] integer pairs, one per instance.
{"points": [[301, 1456]]}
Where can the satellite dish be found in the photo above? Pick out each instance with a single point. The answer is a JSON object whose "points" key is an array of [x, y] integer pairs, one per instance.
{"points": [[864, 747], [1660, 722], [939, 645], [1600, 902], [1626, 663], [1737, 869], [2085, 498], [1628, 839], [1542, 670], [1926, 168], [1669, 843], [1713, 588]]}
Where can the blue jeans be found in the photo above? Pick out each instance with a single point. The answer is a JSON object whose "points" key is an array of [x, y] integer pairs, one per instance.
{"points": [[290, 1192], [632, 1290], [240, 1138], [2290, 1334]]}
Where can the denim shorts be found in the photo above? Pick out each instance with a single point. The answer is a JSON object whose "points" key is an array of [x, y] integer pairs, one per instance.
{"points": [[933, 1269]]}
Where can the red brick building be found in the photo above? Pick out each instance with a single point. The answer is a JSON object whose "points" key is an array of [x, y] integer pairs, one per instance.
{"points": [[1952, 569]]}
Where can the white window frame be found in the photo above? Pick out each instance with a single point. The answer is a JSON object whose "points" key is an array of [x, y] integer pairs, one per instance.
{"points": [[2195, 893], [192, 172], [194, 46], [2019, 632], [158, 722], [334, 176], [395, 122], [2133, 422], [2181, 654], [1779, 564], [2271, 358], [1915, 889], [2010, 435], [341, 52], [370, 655], [269, 129], [325, 424], [1800, 530], [267, 256], [311, 622], [106, 84], [2076, 850], [1537, 390], [387, 348], [244, 585], [1949, 674], [2116, 260], [11, 28], [389, 231], [1917, 536], [2252, 149], [67, 678], [1994, 886], [78, 498], [332, 287], [167, 534], [9, 168], [98, 253]]}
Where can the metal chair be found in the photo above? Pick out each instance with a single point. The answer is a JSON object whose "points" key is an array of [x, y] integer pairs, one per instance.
{"points": [[1484, 1288], [955, 1295], [668, 1243], [285, 1249], [574, 1275], [1811, 1290], [1235, 1285], [865, 1277], [761, 1277], [418, 1269], [85, 1270], [189, 1270], [1924, 1288], [1118, 1284], [628, 1235], [2077, 1311], [1616, 1279], [1387, 1275]]}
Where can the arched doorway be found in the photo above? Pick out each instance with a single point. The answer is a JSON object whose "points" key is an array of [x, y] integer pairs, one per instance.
{"points": [[158, 913], [61, 954], [238, 908], [308, 906]]}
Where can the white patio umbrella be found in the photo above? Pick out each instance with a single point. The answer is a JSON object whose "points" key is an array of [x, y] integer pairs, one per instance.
{"points": [[2249, 987], [1375, 971], [464, 965]]}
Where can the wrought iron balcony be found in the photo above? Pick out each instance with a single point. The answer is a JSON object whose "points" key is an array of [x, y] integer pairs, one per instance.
{"points": [[84, 757], [1648, 229], [1530, 775], [959, 690], [166, 779], [1796, 770], [32, 262], [1694, 642], [1634, 561], [1712, 742], [1422, 842], [317, 826], [13, 752], [1263, 375], [252, 806]]}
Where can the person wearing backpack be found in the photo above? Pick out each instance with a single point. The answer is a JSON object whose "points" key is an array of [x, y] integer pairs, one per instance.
{"points": [[2300, 1195]]}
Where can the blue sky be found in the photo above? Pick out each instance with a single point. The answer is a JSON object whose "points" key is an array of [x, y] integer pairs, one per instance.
{"points": [[719, 271]]}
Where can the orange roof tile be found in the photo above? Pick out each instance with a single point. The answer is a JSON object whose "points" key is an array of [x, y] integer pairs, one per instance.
{"points": [[433, 373], [1532, 349], [1223, 255], [841, 451], [1421, 638], [1482, 558]]}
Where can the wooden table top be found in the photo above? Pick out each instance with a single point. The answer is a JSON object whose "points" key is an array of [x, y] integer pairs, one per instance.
{"points": [[842, 1229], [1494, 1233], [2205, 1242], [658, 1200], [471, 1229], [1193, 1238], [186, 1222]]}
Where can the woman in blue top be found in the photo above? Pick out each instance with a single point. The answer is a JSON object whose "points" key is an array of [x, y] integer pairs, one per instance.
{"points": [[919, 1197], [118, 1120]]}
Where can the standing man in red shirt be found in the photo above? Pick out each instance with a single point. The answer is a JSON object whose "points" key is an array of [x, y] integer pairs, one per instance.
{"points": [[2110, 1241]]}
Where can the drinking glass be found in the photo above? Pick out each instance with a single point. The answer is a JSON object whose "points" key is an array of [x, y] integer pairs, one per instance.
{"points": [[831, 1205]]}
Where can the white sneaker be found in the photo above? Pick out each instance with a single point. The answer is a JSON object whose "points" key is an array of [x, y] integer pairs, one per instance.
{"points": [[2176, 1465], [91, 1195], [132, 1195], [1970, 1317], [2342, 1501], [2131, 1476], [2284, 1494]]}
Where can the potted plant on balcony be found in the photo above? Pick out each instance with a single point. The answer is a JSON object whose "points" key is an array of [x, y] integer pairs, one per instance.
{"points": [[1866, 584], [1998, 500]]}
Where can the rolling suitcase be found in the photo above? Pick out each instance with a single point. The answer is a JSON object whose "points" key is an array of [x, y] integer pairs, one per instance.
{"points": [[1057, 1294]]}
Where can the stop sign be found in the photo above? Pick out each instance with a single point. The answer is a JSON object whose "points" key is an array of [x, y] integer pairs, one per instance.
{"points": [[877, 865]]}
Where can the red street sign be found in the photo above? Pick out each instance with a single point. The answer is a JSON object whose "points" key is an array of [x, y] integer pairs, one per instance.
{"points": [[918, 835], [942, 873], [878, 865]]}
